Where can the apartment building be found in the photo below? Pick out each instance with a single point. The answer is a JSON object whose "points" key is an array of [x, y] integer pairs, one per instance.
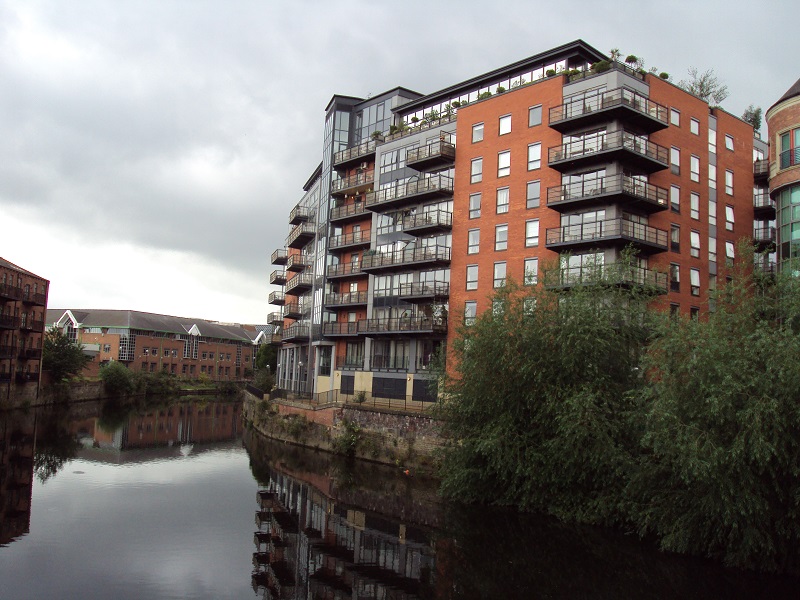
{"points": [[425, 204], [151, 343], [23, 301]]}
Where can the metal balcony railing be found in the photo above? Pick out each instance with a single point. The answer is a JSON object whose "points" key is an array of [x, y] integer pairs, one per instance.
{"points": [[355, 238], [344, 270], [347, 298], [344, 361], [10, 291], [438, 184], [299, 214], [615, 140], [764, 235], [31, 325], [761, 168], [31, 298], [342, 328], [438, 152], [763, 200], [609, 229], [7, 351], [27, 376], [435, 254], [425, 289], [276, 298], [424, 221], [348, 211], [355, 153], [303, 280], [613, 274], [279, 257], [389, 363], [9, 322], [612, 99], [352, 182], [274, 318], [790, 158], [301, 235], [414, 324], [656, 197], [298, 262], [277, 277]]}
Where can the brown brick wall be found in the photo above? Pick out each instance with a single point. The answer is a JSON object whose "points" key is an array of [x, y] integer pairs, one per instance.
{"points": [[781, 118]]}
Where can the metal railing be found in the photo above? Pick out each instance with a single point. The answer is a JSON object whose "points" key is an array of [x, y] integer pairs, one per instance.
{"points": [[607, 100], [7, 351], [279, 256], [27, 376], [764, 234], [344, 269], [356, 152], [761, 167], [340, 328], [344, 361], [434, 218], [615, 140], [790, 158], [611, 228], [292, 310], [402, 257], [349, 210], [299, 214], [614, 184], [9, 321], [613, 274], [300, 280], [436, 184], [301, 230], [277, 277], [31, 298], [615, 65], [438, 149], [276, 298], [415, 324], [296, 332], [11, 291], [274, 318], [346, 298], [429, 288], [349, 239], [763, 200], [298, 262], [353, 181], [389, 362], [364, 399], [426, 124]]}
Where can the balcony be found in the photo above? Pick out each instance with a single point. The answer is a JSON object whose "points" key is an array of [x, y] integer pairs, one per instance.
{"points": [[383, 362], [766, 268], [623, 104], [277, 277], [297, 333], [411, 192], [299, 284], [27, 377], [349, 212], [353, 184], [428, 222], [435, 155], [297, 263], [343, 329], [635, 194], [31, 325], [764, 236], [788, 158], [277, 298], [344, 270], [349, 362], [299, 214], [355, 239], [346, 299], [11, 292], [7, 352], [429, 256], [301, 235], [416, 325], [293, 310], [761, 170], [351, 156], [612, 275], [279, 257], [275, 318], [605, 233], [624, 146], [427, 292], [29, 353], [31, 298], [9, 322], [763, 206]]}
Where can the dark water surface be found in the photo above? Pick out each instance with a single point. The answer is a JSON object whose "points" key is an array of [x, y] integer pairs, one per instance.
{"points": [[163, 503]]}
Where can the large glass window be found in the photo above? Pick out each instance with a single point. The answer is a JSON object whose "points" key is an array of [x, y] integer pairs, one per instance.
{"points": [[473, 241], [477, 132], [694, 168], [694, 126], [502, 200], [694, 243], [504, 163], [531, 275], [694, 205], [533, 194], [476, 171], [675, 198], [472, 277], [790, 148], [729, 183], [729, 218], [505, 124], [694, 281], [534, 156], [499, 274], [501, 237], [675, 160], [535, 115], [470, 312], [532, 233]]}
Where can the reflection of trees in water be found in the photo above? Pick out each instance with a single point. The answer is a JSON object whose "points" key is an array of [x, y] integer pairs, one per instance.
{"points": [[55, 445]]}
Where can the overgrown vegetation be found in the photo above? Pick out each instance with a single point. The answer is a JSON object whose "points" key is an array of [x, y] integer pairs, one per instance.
{"points": [[594, 407], [119, 380], [706, 86], [62, 357]]}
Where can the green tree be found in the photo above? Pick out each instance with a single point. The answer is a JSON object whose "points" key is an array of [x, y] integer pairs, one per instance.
{"points": [[267, 356], [117, 378], [752, 115], [706, 86], [61, 356]]}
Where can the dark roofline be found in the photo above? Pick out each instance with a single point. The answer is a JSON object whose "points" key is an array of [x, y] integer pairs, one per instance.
{"points": [[448, 92], [336, 97], [358, 101], [9, 265], [792, 92], [317, 172]]}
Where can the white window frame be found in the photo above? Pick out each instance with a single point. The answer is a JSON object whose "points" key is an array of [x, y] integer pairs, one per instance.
{"points": [[477, 133], [504, 125], [504, 163], [476, 170], [531, 233], [534, 156]]}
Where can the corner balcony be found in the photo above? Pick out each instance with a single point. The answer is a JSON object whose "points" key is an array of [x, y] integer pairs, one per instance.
{"points": [[633, 193], [343, 270], [293, 310], [299, 214], [416, 325], [277, 298], [31, 298], [353, 184], [610, 275], [297, 333], [622, 146], [299, 283], [764, 237], [31, 325], [277, 277], [341, 329], [788, 158], [428, 222], [761, 170], [355, 239], [433, 156], [763, 206], [298, 263], [279, 257], [301, 235], [10, 292], [425, 292], [620, 103], [364, 152], [613, 232], [427, 257], [9, 322], [411, 192], [275, 318], [349, 212], [346, 299]]}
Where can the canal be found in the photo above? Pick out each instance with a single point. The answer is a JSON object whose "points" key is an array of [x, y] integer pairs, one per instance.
{"points": [[181, 500]]}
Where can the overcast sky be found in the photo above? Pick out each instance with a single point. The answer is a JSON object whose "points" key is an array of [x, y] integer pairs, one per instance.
{"points": [[150, 151]]}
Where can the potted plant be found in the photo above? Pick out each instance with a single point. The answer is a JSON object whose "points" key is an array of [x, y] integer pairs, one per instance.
{"points": [[500, 89], [550, 72]]}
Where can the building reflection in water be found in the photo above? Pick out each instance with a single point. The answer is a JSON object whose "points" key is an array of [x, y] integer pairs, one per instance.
{"points": [[17, 444]]}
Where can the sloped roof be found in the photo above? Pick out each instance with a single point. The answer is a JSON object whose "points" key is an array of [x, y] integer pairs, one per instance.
{"points": [[10, 265], [790, 93]]}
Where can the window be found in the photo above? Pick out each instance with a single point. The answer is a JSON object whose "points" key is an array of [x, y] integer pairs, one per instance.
{"points": [[154, 351], [476, 172], [533, 194], [694, 126], [211, 355], [675, 160], [675, 117], [729, 219], [472, 277], [675, 198], [729, 142], [499, 274], [712, 249], [531, 275], [498, 308], [712, 140], [730, 253], [470, 312], [505, 124], [712, 212], [477, 132], [473, 241], [474, 206], [712, 177], [531, 233], [694, 167], [694, 312], [534, 156], [535, 116], [790, 148], [501, 237], [729, 183], [694, 281], [674, 277], [674, 309], [675, 237], [694, 205], [502, 200], [694, 243], [106, 348], [504, 163]]}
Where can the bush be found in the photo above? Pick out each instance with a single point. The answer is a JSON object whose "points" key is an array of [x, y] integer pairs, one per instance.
{"points": [[117, 379]]}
